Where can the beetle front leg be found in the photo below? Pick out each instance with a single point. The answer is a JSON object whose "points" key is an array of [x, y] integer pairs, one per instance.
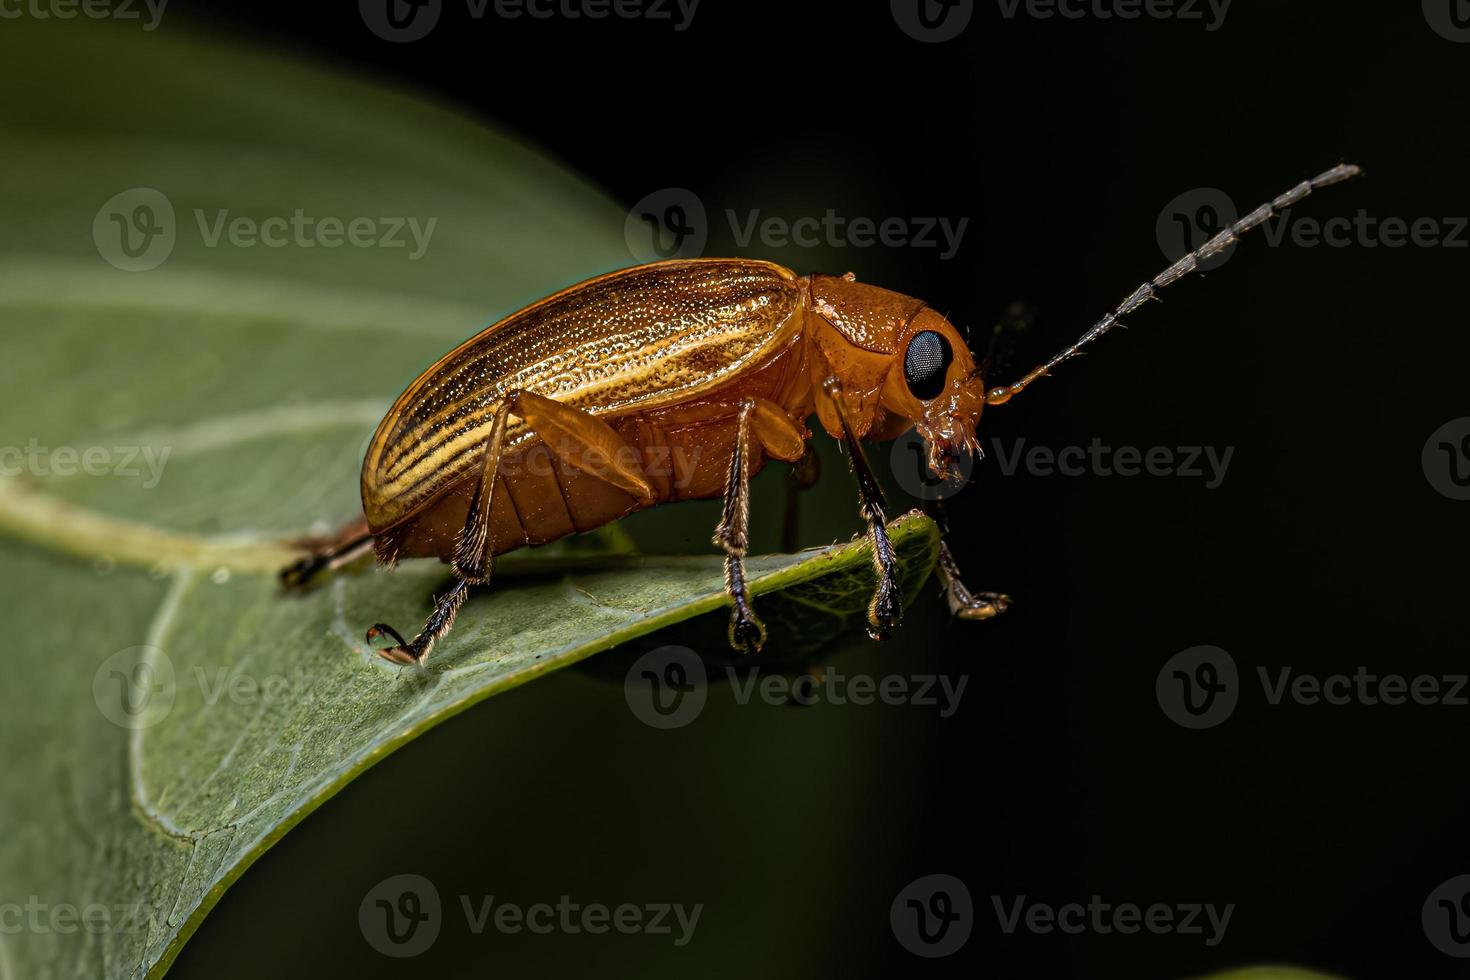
{"points": [[885, 609], [747, 632], [471, 559]]}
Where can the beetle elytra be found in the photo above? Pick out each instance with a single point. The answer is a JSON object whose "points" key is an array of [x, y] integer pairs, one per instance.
{"points": [[671, 381]]}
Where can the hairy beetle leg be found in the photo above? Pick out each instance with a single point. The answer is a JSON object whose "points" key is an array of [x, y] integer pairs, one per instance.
{"points": [[885, 609], [351, 543], [747, 632], [413, 652], [963, 603]]}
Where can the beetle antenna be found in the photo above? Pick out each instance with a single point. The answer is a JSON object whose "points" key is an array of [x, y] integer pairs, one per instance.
{"points": [[1177, 271]]}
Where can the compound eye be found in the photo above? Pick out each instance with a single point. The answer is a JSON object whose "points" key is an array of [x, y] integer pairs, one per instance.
{"points": [[925, 363]]}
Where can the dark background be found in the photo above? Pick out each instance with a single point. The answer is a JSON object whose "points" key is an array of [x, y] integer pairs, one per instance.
{"points": [[1324, 549]]}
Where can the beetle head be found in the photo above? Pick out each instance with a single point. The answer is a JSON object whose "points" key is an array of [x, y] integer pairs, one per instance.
{"points": [[935, 384]]}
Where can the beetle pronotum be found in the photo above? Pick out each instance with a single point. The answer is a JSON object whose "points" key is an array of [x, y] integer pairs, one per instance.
{"points": [[713, 364]]}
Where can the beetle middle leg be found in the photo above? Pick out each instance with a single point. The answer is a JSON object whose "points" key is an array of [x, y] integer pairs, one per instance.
{"points": [[762, 422], [885, 609]]}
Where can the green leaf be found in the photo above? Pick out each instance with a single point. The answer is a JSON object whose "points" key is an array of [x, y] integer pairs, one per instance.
{"points": [[169, 713]]}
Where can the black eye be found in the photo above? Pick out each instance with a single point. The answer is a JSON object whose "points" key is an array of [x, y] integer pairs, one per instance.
{"points": [[924, 364]]}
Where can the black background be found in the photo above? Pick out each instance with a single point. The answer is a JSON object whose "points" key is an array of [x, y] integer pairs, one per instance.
{"points": [[1324, 549]]}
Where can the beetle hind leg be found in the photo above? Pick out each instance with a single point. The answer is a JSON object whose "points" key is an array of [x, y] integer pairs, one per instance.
{"points": [[747, 632], [471, 559], [351, 543], [413, 652]]}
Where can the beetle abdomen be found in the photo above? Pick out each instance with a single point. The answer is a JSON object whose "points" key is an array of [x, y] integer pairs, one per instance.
{"points": [[539, 499], [634, 340]]}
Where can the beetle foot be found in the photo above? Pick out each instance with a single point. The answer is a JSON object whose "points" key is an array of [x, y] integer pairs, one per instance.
{"points": [[981, 605], [747, 633], [402, 654], [885, 611]]}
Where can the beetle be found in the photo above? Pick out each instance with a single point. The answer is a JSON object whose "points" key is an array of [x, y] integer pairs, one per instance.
{"points": [[679, 380]]}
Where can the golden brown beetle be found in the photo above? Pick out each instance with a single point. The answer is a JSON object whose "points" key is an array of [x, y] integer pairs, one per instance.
{"points": [[674, 381]]}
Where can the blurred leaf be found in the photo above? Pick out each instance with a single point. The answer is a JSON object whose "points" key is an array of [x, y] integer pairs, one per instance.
{"points": [[162, 430]]}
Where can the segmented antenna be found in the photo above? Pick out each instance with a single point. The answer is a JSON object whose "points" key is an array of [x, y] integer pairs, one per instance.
{"points": [[1177, 271]]}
